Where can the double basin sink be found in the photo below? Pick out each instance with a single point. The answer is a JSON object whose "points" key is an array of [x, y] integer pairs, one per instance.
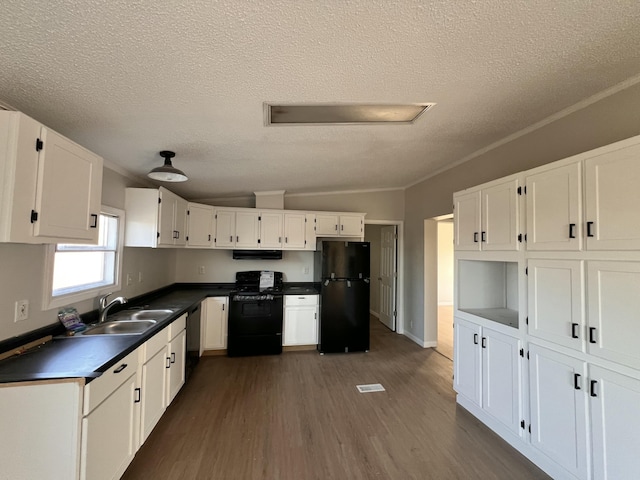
{"points": [[128, 322]]}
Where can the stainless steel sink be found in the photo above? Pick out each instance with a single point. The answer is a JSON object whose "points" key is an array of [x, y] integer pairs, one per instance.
{"points": [[121, 327], [150, 314]]}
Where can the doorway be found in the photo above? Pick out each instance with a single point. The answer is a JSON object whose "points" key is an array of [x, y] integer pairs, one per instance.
{"points": [[445, 287], [385, 239]]}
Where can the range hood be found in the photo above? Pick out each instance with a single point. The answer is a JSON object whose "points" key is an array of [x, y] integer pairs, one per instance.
{"points": [[257, 254]]}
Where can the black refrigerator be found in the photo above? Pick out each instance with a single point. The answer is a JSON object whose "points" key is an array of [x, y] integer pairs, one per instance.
{"points": [[342, 268]]}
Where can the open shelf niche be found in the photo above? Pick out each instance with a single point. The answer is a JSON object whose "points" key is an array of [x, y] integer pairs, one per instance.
{"points": [[489, 289]]}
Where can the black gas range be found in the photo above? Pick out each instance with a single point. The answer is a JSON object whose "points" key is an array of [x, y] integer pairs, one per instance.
{"points": [[255, 314]]}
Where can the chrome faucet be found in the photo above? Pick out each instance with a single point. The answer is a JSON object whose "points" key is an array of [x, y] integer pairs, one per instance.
{"points": [[104, 306]]}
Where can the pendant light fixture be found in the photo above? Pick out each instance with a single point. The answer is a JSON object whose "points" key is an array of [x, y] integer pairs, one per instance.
{"points": [[167, 172]]}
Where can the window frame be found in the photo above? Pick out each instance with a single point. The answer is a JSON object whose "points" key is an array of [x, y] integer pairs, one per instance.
{"points": [[49, 301]]}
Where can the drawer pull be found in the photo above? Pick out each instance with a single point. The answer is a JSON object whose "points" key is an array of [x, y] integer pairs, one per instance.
{"points": [[120, 368]]}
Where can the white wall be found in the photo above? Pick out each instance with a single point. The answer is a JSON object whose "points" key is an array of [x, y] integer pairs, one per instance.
{"points": [[608, 120], [219, 266], [445, 262]]}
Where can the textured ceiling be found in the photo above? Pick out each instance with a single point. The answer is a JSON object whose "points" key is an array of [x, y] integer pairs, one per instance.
{"points": [[128, 79]]}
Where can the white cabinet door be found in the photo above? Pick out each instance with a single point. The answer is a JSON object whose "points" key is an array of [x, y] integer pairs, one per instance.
{"points": [[556, 301], [176, 371], [225, 228], [295, 227], [271, 230], [467, 366], [108, 434], [247, 229], [615, 424], [613, 196], [614, 311], [199, 225], [300, 325], [69, 190], [466, 221], [500, 217], [215, 323], [154, 392], [554, 200], [326, 225], [501, 378], [558, 399], [310, 233], [166, 216], [351, 225], [180, 221]]}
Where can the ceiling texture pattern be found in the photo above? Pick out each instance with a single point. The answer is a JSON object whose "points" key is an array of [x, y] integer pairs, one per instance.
{"points": [[128, 79]]}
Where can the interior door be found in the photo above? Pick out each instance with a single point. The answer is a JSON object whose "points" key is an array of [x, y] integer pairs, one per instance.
{"points": [[388, 269]]}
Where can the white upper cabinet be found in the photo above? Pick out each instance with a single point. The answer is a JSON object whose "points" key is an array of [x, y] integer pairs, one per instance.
{"points": [[554, 201], [271, 230], [467, 220], [339, 225], [200, 225], [247, 229], [556, 302], [613, 197], [614, 311], [155, 218], [225, 226], [295, 228], [488, 219], [52, 188]]}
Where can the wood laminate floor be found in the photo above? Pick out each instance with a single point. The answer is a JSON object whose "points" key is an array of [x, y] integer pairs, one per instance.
{"points": [[298, 416], [445, 331]]}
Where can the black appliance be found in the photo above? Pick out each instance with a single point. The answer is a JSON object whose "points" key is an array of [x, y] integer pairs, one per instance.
{"points": [[342, 268], [255, 316], [193, 340]]}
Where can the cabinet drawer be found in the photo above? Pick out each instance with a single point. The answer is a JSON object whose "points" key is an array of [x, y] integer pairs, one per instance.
{"points": [[177, 326], [291, 300], [103, 386], [155, 344]]}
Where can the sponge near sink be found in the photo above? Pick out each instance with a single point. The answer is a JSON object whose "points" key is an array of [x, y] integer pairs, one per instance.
{"points": [[71, 320]]}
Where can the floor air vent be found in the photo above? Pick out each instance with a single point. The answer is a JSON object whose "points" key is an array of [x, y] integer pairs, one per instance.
{"points": [[373, 387]]}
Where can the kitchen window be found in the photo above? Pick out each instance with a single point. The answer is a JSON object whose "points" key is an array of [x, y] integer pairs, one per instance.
{"points": [[78, 272]]}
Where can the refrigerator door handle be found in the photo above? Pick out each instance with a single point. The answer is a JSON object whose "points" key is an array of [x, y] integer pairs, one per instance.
{"points": [[326, 282], [348, 283]]}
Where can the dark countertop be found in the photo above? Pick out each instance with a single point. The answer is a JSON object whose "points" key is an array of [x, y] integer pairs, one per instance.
{"points": [[90, 356]]}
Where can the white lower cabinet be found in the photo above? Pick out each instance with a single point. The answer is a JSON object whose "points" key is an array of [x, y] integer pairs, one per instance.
{"points": [[300, 320], [176, 371], [614, 401], [214, 321], [487, 371], [558, 401], [154, 383]]}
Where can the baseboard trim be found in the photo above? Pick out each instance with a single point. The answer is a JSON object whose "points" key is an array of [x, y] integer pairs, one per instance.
{"points": [[375, 314], [414, 339]]}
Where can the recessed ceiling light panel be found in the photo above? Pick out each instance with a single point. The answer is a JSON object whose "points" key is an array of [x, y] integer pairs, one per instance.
{"points": [[343, 114]]}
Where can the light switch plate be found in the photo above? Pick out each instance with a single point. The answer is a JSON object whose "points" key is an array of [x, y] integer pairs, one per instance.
{"points": [[22, 311]]}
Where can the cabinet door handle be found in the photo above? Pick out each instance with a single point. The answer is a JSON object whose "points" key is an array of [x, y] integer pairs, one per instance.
{"points": [[475, 237], [120, 368], [209, 237], [237, 238], [576, 381], [572, 230], [279, 239], [168, 362], [484, 342], [138, 392], [592, 388], [484, 236], [231, 238], [94, 221], [336, 227], [589, 227], [574, 333], [475, 338], [173, 357], [592, 334]]}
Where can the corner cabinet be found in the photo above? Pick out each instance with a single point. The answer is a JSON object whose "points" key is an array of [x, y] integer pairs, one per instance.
{"points": [[52, 188], [155, 218]]}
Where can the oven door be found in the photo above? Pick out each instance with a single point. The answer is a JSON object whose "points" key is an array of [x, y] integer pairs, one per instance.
{"points": [[255, 317]]}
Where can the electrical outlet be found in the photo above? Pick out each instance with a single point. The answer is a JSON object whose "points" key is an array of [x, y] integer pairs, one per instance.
{"points": [[305, 270], [129, 278], [22, 310], [201, 270]]}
